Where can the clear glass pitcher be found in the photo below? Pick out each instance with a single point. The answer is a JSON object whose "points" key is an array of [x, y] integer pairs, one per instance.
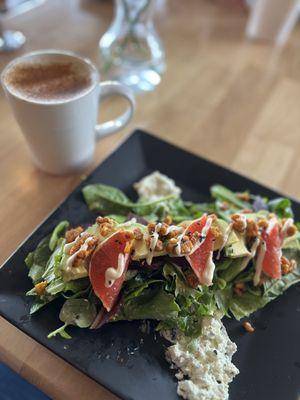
{"points": [[131, 51]]}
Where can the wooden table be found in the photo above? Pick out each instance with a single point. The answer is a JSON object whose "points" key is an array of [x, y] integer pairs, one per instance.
{"points": [[222, 97]]}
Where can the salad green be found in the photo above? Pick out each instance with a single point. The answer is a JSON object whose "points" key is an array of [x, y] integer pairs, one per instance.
{"points": [[203, 262]]}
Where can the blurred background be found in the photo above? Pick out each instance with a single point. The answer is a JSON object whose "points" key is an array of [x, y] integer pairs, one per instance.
{"points": [[224, 82]]}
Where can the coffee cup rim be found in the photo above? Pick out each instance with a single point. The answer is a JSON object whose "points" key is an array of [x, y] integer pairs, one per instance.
{"points": [[57, 52]]}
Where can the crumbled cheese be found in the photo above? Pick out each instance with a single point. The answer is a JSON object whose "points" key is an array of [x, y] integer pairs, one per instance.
{"points": [[156, 185], [204, 364]]}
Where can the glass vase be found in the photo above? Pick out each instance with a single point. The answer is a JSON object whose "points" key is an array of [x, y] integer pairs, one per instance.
{"points": [[131, 51]]}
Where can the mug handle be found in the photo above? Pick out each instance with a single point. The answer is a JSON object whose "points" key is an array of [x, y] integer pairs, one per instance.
{"points": [[107, 89]]}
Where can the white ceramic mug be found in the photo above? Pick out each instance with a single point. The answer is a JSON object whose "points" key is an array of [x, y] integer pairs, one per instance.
{"points": [[61, 134]]}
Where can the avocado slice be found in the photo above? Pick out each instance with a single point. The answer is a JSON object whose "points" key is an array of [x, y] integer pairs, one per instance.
{"points": [[223, 226], [237, 249], [72, 273]]}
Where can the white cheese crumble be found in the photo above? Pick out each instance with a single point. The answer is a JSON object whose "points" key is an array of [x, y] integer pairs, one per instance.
{"points": [[156, 185], [204, 364]]}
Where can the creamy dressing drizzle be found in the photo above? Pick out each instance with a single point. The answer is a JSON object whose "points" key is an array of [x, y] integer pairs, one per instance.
{"points": [[131, 221], [208, 273], [112, 274], [259, 263], [172, 228], [225, 239], [288, 223], [178, 247], [244, 221], [68, 246], [154, 239], [153, 243], [84, 247]]}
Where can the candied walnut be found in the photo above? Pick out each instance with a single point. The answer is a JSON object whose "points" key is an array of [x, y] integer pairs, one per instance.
{"points": [[103, 220], [174, 233], [77, 262], [173, 241], [287, 265], [244, 196], [72, 234], [235, 217], [252, 229], [105, 229], [89, 247], [40, 288], [291, 230], [186, 247], [168, 220], [216, 232], [88, 243], [192, 279], [151, 227], [79, 242], [164, 229], [137, 234], [248, 327], [263, 223], [238, 223], [185, 238], [170, 247], [92, 243], [81, 254]]}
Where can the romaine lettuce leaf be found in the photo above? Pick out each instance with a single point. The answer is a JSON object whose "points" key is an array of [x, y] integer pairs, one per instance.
{"points": [[256, 298], [39, 303], [223, 298], [59, 230], [243, 306], [37, 260], [233, 270], [176, 282]]}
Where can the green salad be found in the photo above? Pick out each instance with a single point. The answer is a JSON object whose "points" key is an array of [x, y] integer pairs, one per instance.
{"points": [[166, 259]]}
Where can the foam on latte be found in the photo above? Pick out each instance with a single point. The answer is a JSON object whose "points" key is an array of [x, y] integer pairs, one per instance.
{"points": [[49, 80]]}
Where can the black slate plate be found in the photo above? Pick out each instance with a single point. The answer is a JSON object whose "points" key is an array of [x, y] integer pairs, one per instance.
{"points": [[119, 356]]}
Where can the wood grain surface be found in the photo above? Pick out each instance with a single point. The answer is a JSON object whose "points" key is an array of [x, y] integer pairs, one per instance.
{"points": [[223, 97]]}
